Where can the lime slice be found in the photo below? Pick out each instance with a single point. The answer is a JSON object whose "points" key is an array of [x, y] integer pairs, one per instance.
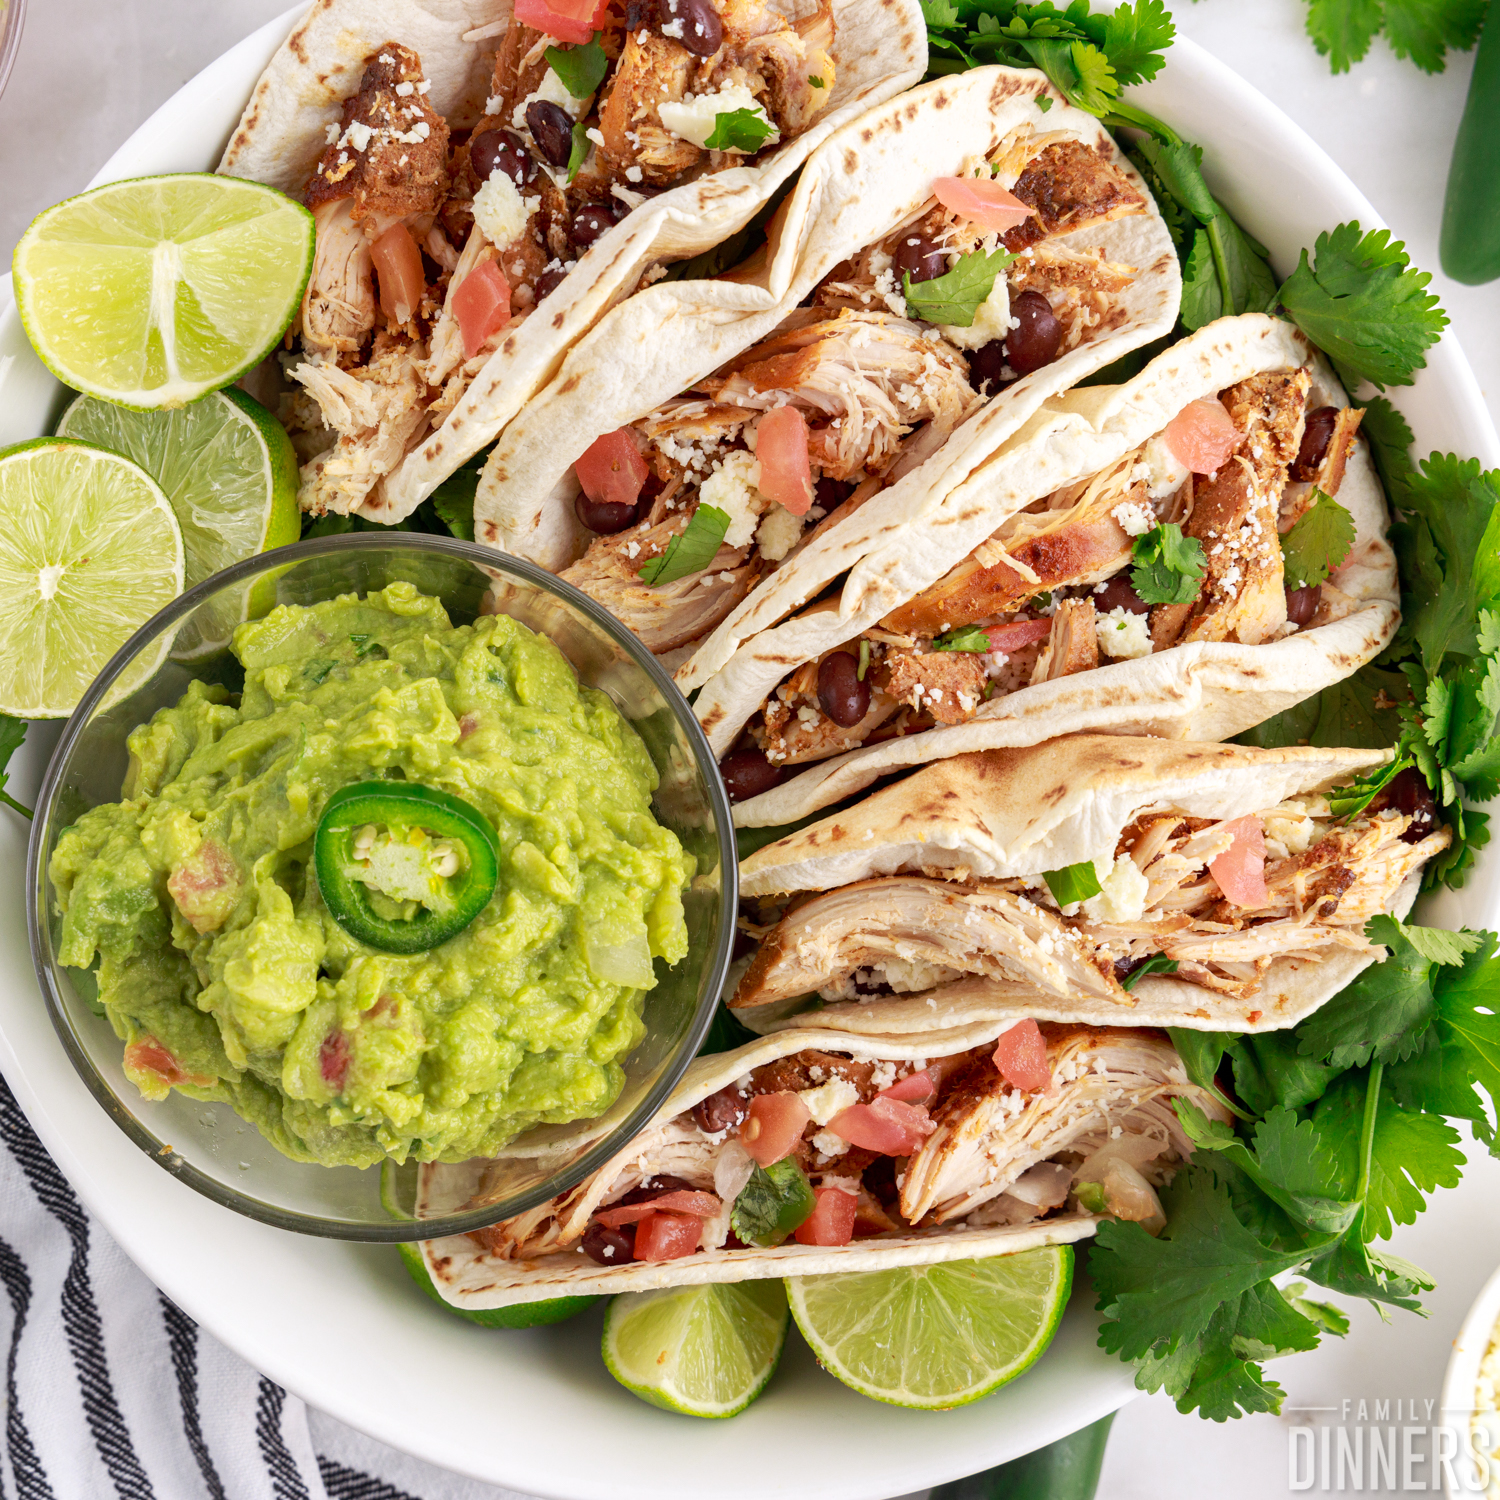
{"points": [[935, 1336], [705, 1351], [230, 473], [523, 1315], [90, 550], [153, 292]]}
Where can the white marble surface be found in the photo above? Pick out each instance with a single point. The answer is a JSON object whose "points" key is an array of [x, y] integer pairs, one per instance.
{"points": [[89, 73]]}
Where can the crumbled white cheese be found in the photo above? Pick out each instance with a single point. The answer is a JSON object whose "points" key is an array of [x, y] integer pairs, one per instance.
{"points": [[733, 487], [829, 1099], [829, 1144], [1122, 894], [1296, 833], [358, 135], [779, 532], [908, 976], [1123, 635], [1165, 472], [404, 90], [694, 118], [500, 211], [1135, 520], [991, 320]]}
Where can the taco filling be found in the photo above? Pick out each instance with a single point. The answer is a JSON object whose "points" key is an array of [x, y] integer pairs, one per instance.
{"points": [[1213, 901], [433, 242], [1181, 540], [692, 505], [824, 1148]]}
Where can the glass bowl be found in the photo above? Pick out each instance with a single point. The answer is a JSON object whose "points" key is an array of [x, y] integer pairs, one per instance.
{"points": [[12, 21], [208, 1146]]}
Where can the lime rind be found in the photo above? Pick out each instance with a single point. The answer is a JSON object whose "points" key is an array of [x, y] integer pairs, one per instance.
{"points": [[938, 1336], [154, 291], [90, 551], [701, 1351]]}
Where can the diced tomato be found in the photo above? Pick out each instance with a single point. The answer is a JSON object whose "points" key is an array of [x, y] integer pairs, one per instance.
{"points": [[696, 1205], [568, 20], [1021, 1057], [1017, 634], [831, 1222], [467, 725], [153, 1068], [482, 305], [206, 885], [781, 448], [774, 1126], [1202, 435], [612, 471], [398, 265], [333, 1058], [662, 1236], [884, 1125], [1241, 868], [915, 1088], [982, 201]]}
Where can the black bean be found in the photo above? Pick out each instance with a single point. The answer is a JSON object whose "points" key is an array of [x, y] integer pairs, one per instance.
{"points": [[987, 363], [1119, 593], [549, 281], [551, 127], [747, 773], [841, 694], [702, 30], [880, 1178], [1410, 794], [604, 517], [1125, 967], [500, 149], [721, 1111], [1302, 605], [1317, 433], [829, 494], [590, 222], [1038, 338], [921, 258], [609, 1247]]}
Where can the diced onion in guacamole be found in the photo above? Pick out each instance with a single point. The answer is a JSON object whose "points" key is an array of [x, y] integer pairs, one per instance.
{"points": [[221, 968]]}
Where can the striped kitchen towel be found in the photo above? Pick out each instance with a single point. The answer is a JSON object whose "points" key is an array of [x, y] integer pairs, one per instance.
{"points": [[112, 1391]]}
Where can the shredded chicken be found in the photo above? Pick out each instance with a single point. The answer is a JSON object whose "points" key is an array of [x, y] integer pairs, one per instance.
{"points": [[1073, 645], [948, 685], [338, 307]]}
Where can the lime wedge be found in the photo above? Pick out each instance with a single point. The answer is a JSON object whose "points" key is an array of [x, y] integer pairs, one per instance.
{"points": [[90, 550], [936, 1336], [155, 291], [705, 1351], [523, 1315], [228, 470]]}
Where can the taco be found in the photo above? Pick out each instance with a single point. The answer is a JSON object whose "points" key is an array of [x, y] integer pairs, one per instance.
{"points": [[806, 1153], [960, 253], [1097, 879], [458, 185], [1084, 578]]}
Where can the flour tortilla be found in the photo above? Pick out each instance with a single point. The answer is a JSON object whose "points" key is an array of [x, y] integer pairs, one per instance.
{"points": [[1016, 812], [1195, 691], [858, 187], [879, 49], [471, 1277]]}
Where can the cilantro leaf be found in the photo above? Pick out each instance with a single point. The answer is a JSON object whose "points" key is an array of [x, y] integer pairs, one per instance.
{"points": [[965, 638], [1361, 301], [1097, 85], [1342, 30], [1158, 963], [1390, 440], [1318, 542], [1136, 37], [581, 69], [1168, 566], [1200, 1051], [1360, 712], [12, 733], [772, 1203], [690, 551], [1325, 1315], [1424, 31], [1468, 1019], [954, 297], [744, 130], [1073, 882], [1178, 165], [1270, 1070], [579, 154]]}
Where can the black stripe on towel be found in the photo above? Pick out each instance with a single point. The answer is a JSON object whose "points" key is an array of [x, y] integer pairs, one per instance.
{"points": [[182, 1339], [286, 1478], [31, 1478], [349, 1484], [80, 1312]]}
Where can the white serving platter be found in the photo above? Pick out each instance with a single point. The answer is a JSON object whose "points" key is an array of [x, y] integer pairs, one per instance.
{"points": [[341, 1325]]}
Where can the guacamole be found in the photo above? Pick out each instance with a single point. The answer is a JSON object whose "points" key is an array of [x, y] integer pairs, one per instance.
{"points": [[228, 976]]}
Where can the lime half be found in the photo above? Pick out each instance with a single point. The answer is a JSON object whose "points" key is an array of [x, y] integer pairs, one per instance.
{"points": [[155, 291], [705, 1351], [935, 1336], [522, 1315], [230, 473], [90, 550]]}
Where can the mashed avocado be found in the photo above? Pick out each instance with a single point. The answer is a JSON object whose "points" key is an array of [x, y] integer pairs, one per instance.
{"points": [[226, 974]]}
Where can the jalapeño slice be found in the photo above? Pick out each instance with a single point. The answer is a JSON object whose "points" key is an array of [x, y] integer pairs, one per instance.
{"points": [[403, 867]]}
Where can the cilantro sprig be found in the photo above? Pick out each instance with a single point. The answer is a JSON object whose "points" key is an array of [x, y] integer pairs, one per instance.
{"points": [[689, 551], [12, 734], [955, 297], [581, 69], [1072, 883], [1420, 30], [964, 638], [1318, 542], [744, 130], [1169, 567]]}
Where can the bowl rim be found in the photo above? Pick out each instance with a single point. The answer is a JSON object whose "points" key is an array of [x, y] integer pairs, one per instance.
{"points": [[12, 24], [397, 1231], [1461, 1376]]}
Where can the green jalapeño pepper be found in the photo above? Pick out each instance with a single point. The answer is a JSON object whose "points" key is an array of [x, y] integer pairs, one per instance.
{"points": [[775, 1201], [403, 867]]}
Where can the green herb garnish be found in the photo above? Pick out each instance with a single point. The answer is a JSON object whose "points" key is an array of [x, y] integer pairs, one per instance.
{"points": [[12, 733], [744, 130], [1158, 963], [774, 1202], [692, 550], [581, 69], [1318, 542], [1169, 567], [579, 154], [965, 638], [954, 298], [1073, 882], [317, 670]]}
